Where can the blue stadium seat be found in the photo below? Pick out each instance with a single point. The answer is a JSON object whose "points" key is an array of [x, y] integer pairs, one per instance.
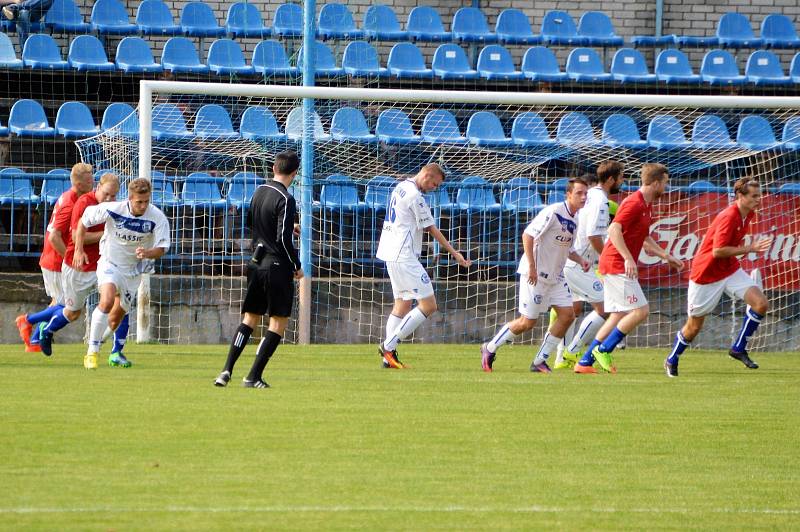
{"points": [[665, 132], [719, 68], [340, 193], [790, 137], [27, 119], [585, 65], [74, 120], [703, 186], [424, 24], [41, 52], [789, 188], [440, 126], [4, 131], [244, 20], [361, 60], [629, 66], [336, 22], [575, 129], [485, 129], [163, 190], [559, 28], [200, 191], [734, 31], [117, 113], [381, 24], [8, 56], [288, 21], [711, 133], [86, 53], [620, 131], [110, 17], [652, 41], [520, 194], [269, 58], [349, 124], [378, 192], [225, 58], [755, 133], [777, 31], [65, 17], [168, 123], [764, 68], [294, 126], [213, 122], [672, 66], [324, 61], [598, 30], [406, 61], [394, 127], [180, 57], [53, 187], [494, 62], [475, 194], [794, 68], [540, 64], [469, 25], [134, 56], [259, 124], [243, 186], [450, 62], [16, 188], [513, 27], [197, 20], [529, 130], [690, 41], [153, 17]]}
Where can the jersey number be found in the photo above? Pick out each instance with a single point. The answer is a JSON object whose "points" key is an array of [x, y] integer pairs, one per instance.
{"points": [[391, 214]]}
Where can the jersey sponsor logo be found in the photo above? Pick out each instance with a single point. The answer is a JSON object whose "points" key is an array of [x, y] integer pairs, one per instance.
{"points": [[425, 279], [597, 286], [132, 224]]}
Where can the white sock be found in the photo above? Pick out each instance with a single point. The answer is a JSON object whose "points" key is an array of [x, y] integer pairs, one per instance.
{"points": [[99, 324], [503, 336], [548, 344], [106, 334], [407, 326], [587, 331], [391, 324], [564, 343]]}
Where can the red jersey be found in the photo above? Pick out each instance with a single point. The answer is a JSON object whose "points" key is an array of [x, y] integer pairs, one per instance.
{"points": [[91, 250], [59, 220], [635, 217], [727, 229]]}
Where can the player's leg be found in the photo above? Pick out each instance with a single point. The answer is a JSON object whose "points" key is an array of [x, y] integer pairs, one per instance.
{"points": [[400, 309], [531, 304], [683, 338], [757, 307], [26, 323], [266, 348], [100, 320], [566, 341], [119, 323], [586, 363], [565, 317], [701, 299], [588, 328]]}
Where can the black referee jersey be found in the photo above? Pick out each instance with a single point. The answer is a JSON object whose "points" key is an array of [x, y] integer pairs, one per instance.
{"points": [[271, 218]]}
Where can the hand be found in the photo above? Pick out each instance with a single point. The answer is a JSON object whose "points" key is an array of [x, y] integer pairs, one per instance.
{"points": [[79, 259], [675, 263], [631, 270], [298, 274], [465, 263], [585, 265], [533, 276], [296, 230], [761, 245], [141, 253]]}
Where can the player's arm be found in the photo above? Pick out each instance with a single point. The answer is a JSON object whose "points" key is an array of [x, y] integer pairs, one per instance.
{"points": [[615, 235], [575, 257], [528, 244], [58, 227], [437, 234], [652, 247], [161, 241], [721, 248], [285, 233], [79, 257], [598, 226], [90, 237]]}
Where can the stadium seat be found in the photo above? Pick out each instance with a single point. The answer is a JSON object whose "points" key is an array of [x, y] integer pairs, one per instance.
{"points": [[394, 127], [529, 130], [734, 31], [440, 126], [225, 58], [269, 58], [559, 28], [197, 20], [65, 17], [86, 53], [475, 194], [361, 60], [575, 129], [213, 122], [585, 65], [629, 66], [4, 131], [53, 187], [168, 123], [381, 24], [349, 124], [16, 188], [540, 64], [710, 132], [288, 21], [406, 61], [244, 20], [134, 56], [652, 41], [755, 133], [513, 27], [485, 129], [153, 17], [243, 186], [163, 191], [27, 119], [597, 29], [494, 62], [294, 126], [620, 131], [790, 137], [324, 61], [450, 62], [340, 193], [8, 56], [719, 68], [703, 186], [180, 57], [469, 25], [200, 191], [259, 124], [110, 17], [378, 192], [794, 68], [665, 132], [764, 68], [117, 113], [777, 31], [690, 41], [789, 188], [41, 52], [424, 24], [672, 66], [336, 22], [520, 194], [74, 120]]}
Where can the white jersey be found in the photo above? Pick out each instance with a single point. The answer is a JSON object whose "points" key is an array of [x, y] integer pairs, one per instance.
{"points": [[125, 232], [592, 221], [554, 230], [406, 216]]}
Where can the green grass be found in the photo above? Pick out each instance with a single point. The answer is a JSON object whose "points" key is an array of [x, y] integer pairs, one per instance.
{"points": [[338, 443]]}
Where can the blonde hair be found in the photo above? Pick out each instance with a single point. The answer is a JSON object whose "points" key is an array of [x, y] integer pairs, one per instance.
{"points": [[652, 172], [79, 170], [433, 167], [139, 185], [109, 178]]}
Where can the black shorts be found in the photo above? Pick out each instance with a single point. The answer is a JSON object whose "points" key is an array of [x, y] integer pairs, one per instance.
{"points": [[270, 289]]}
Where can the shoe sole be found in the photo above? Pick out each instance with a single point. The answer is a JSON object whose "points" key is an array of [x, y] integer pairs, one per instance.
{"points": [[590, 371]]}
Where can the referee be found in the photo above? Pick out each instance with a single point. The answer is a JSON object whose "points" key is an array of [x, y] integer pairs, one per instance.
{"points": [[270, 272]]}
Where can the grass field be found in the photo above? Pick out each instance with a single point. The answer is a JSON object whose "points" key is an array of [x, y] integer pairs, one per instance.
{"points": [[338, 443]]}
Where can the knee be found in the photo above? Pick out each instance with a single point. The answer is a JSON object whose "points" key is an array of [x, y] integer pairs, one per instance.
{"points": [[71, 315], [522, 325], [643, 312], [428, 308]]}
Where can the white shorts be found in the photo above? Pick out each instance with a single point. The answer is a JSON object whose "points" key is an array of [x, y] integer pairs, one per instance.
{"points": [[621, 293], [585, 286], [409, 280], [703, 298], [127, 283], [538, 298], [52, 284], [78, 286]]}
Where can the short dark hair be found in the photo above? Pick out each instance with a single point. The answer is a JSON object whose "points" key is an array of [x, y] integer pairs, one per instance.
{"points": [[652, 172], [608, 170], [575, 181], [286, 163], [742, 186], [589, 178]]}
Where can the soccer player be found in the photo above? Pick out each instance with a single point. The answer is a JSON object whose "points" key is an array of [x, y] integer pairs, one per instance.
{"points": [[716, 269], [623, 298], [400, 246], [547, 242], [53, 253], [271, 271]]}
